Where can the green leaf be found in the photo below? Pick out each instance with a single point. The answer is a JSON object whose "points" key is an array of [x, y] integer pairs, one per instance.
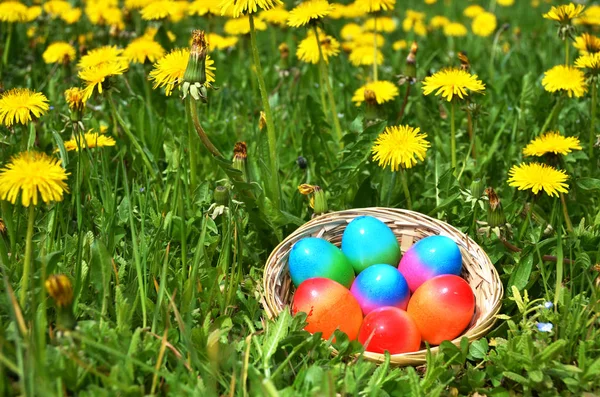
{"points": [[588, 183], [516, 377], [551, 350], [274, 334], [520, 276], [479, 349]]}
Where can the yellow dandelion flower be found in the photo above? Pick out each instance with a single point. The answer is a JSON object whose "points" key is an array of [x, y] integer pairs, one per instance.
{"points": [[55, 8], [137, 4], [33, 13], [589, 61], [452, 82], [71, 16], [179, 10], [157, 10], [505, 3], [438, 21], [375, 5], [219, 42], [430, 1], [565, 78], [239, 26], [59, 287], [74, 98], [484, 24], [235, 8], [33, 174], [102, 14], [587, 43], [203, 7], [367, 39], [350, 31], [537, 177], [365, 55], [400, 147], [19, 104], [564, 13], [89, 140], [591, 16], [143, 49], [338, 11], [354, 10], [276, 16], [455, 29], [13, 11], [385, 91], [380, 24], [95, 76], [308, 11], [473, 10], [59, 52], [400, 45], [552, 142], [308, 49], [169, 70], [101, 55]]}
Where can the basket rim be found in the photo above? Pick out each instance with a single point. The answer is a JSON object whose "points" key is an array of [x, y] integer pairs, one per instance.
{"points": [[488, 317]]}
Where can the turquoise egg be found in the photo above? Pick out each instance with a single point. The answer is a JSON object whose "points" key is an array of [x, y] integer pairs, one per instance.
{"points": [[314, 257], [368, 241]]}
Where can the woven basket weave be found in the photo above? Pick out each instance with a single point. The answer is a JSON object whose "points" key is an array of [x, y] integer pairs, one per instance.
{"points": [[409, 227]]}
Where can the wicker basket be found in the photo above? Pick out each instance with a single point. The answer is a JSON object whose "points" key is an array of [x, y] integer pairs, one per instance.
{"points": [[409, 227]]}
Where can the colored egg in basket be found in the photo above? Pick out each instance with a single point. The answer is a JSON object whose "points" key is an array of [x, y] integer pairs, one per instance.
{"points": [[378, 286]]}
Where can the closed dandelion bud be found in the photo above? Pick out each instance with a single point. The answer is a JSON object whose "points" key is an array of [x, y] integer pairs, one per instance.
{"points": [[60, 289], [74, 98], [477, 188], [320, 205], [2, 227], [262, 121], [221, 195], [371, 109], [194, 78], [495, 213], [284, 55], [411, 62], [240, 158]]}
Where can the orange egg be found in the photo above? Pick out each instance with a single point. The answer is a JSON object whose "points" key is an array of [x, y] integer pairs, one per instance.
{"points": [[329, 306], [442, 307]]}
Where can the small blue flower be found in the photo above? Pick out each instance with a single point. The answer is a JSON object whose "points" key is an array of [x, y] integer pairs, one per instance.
{"points": [[142, 189], [548, 305], [544, 327]]}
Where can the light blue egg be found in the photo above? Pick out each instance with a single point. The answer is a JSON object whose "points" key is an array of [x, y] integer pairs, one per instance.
{"points": [[314, 257], [368, 241]]}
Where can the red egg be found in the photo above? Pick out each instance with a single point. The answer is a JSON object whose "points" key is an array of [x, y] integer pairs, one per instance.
{"points": [[442, 308], [329, 306], [389, 328]]}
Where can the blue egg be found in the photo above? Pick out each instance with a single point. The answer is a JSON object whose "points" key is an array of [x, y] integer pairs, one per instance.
{"points": [[368, 241], [378, 286], [314, 257], [430, 257]]}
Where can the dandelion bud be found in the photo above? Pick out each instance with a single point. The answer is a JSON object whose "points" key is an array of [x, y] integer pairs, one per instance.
{"points": [[194, 78], [284, 50], [477, 188], [411, 62], [320, 204], [240, 158], [495, 213], [74, 97], [60, 289], [262, 121], [221, 195]]}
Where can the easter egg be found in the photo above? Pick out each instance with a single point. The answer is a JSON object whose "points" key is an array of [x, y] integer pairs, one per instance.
{"points": [[368, 241], [329, 306], [391, 329], [378, 286], [314, 257], [430, 257], [442, 308]]}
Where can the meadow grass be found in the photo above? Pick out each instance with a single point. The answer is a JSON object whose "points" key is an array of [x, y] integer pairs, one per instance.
{"points": [[167, 278]]}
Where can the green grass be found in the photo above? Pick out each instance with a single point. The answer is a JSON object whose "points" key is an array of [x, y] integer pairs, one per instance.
{"points": [[167, 290]]}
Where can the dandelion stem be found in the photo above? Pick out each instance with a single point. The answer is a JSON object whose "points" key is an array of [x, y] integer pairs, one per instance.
{"points": [[7, 44], [550, 119], [324, 71], [28, 250], [271, 135], [201, 133], [566, 52], [566, 213], [191, 143], [594, 94], [404, 103], [388, 198], [404, 179], [453, 136]]}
